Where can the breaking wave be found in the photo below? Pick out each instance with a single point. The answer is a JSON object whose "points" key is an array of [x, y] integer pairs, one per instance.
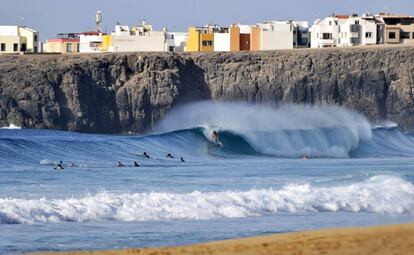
{"points": [[378, 194]]}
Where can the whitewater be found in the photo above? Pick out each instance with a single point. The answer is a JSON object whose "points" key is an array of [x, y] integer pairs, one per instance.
{"points": [[258, 182]]}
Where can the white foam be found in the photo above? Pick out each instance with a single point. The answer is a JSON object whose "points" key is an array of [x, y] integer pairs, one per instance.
{"points": [[47, 162], [379, 194], [385, 124], [11, 126]]}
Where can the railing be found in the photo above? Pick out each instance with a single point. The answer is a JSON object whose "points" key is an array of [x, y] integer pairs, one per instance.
{"points": [[355, 28]]}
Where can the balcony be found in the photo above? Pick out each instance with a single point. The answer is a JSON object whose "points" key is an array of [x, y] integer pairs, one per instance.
{"points": [[354, 28]]}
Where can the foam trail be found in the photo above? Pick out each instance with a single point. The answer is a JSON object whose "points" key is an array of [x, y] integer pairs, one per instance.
{"points": [[289, 131], [379, 194], [11, 126]]}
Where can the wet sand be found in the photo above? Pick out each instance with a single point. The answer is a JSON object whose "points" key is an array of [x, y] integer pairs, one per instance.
{"points": [[391, 239]]}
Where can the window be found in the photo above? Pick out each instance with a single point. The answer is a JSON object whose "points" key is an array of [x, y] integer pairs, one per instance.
{"points": [[356, 22], [405, 35], [413, 35], [23, 47], [207, 43], [3, 47], [172, 36], [77, 47], [392, 35], [330, 23], [326, 36], [171, 49], [69, 48], [368, 35], [15, 47], [35, 38]]}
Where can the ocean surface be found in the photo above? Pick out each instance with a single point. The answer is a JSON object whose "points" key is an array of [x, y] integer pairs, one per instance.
{"points": [[254, 181]]}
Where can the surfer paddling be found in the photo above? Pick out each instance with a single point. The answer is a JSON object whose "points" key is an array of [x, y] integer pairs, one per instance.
{"points": [[59, 166], [119, 164]]}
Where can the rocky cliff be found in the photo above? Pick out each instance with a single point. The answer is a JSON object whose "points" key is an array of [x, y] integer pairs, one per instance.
{"points": [[112, 93]]}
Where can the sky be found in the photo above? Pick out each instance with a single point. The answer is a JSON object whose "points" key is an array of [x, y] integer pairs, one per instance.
{"points": [[50, 17]]}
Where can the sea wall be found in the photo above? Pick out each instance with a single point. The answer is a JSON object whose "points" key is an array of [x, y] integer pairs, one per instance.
{"points": [[114, 93]]}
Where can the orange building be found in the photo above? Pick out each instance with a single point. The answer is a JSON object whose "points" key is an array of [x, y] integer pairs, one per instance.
{"points": [[256, 38], [234, 38]]}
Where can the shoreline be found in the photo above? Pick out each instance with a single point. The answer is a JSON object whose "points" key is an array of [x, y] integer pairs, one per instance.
{"points": [[388, 239]]}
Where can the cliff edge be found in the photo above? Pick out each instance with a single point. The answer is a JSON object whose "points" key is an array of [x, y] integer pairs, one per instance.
{"points": [[114, 93]]}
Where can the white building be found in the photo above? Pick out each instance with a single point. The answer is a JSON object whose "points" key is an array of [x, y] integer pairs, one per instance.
{"points": [[358, 30], [344, 31], [176, 41], [325, 32], [90, 42], [17, 39], [276, 35], [279, 35], [142, 38], [237, 37], [222, 39]]}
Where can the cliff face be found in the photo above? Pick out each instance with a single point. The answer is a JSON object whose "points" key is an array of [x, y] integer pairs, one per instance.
{"points": [[111, 93]]}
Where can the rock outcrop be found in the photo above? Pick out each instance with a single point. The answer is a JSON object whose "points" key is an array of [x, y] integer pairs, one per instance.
{"points": [[114, 93]]}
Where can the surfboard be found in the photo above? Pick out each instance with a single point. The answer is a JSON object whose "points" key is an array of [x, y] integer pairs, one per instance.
{"points": [[140, 155], [219, 143]]}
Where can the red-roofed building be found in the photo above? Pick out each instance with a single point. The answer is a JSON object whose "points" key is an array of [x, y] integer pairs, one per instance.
{"points": [[65, 43]]}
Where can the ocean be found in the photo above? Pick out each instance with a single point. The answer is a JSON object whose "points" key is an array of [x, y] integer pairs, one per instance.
{"points": [[255, 181]]}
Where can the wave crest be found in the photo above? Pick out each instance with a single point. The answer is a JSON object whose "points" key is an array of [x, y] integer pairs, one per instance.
{"points": [[288, 131]]}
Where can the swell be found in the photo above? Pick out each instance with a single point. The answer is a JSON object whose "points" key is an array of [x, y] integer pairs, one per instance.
{"points": [[24, 146], [365, 196]]}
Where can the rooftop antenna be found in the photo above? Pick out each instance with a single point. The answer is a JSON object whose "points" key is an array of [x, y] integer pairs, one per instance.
{"points": [[98, 20]]}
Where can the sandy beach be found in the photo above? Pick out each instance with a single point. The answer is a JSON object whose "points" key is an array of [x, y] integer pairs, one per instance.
{"points": [[391, 239]]}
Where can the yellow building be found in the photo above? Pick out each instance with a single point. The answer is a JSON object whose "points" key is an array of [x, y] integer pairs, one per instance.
{"points": [[200, 39], [106, 43]]}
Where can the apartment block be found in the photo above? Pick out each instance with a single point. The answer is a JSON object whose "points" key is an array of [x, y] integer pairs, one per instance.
{"points": [[395, 29]]}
